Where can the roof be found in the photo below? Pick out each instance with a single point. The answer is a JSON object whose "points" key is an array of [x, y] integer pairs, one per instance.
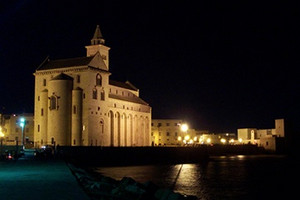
{"points": [[95, 61], [62, 63], [126, 85], [134, 99], [62, 76], [97, 38]]}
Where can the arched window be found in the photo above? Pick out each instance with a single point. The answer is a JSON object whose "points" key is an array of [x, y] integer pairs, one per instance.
{"points": [[98, 79], [94, 93], [102, 95], [53, 102], [101, 126]]}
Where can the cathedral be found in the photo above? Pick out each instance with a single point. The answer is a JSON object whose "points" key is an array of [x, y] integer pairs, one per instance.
{"points": [[76, 103]]}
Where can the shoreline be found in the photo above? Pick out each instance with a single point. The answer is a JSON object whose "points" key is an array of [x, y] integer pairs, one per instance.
{"points": [[122, 156]]}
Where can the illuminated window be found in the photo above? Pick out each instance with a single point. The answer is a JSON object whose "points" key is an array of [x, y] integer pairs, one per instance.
{"points": [[98, 79], [94, 93]]}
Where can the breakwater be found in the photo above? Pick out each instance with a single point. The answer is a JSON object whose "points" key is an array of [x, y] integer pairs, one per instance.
{"points": [[104, 187], [109, 156]]}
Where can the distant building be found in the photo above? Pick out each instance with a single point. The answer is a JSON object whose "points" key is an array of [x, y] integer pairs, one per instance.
{"points": [[170, 132], [77, 104], [270, 139], [12, 131]]}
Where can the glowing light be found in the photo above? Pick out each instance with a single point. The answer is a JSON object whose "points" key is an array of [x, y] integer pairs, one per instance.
{"points": [[231, 141], [187, 137], [195, 139], [208, 140], [191, 141], [240, 140], [184, 127], [22, 122], [1, 134], [223, 140], [179, 138]]}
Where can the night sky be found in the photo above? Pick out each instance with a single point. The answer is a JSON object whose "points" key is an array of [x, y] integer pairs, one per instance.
{"points": [[218, 65]]}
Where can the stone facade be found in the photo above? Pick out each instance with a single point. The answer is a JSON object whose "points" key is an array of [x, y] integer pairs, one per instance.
{"points": [[76, 103], [267, 138], [168, 132]]}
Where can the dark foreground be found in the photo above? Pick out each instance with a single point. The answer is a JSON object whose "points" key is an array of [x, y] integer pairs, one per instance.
{"points": [[28, 178]]}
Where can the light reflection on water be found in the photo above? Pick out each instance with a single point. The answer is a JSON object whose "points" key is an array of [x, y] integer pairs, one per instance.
{"points": [[223, 177]]}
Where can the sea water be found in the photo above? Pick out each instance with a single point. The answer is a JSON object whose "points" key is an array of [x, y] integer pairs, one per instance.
{"points": [[222, 177]]}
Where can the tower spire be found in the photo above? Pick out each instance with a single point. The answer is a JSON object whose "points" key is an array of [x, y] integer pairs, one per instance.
{"points": [[97, 38]]}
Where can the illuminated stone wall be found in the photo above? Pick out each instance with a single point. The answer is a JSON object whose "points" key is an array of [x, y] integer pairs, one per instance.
{"points": [[91, 110], [167, 132]]}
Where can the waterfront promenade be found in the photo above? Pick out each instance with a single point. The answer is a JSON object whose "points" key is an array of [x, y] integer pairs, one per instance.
{"points": [[27, 178]]}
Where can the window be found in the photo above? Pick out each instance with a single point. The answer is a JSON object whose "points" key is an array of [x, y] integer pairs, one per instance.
{"points": [[78, 78], [98, 79], [102, 95], [42, 112], [74, 109], [101, 126], [44, 82], [38, 128], [94, 93], [168, 134], [53, 102]]}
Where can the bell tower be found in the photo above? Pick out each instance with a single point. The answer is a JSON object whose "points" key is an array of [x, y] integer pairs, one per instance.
{"points": [[97, 44]]}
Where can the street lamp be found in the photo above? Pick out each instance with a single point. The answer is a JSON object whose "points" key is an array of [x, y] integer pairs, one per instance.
{"points": [[184, 127], [22, 123]]}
